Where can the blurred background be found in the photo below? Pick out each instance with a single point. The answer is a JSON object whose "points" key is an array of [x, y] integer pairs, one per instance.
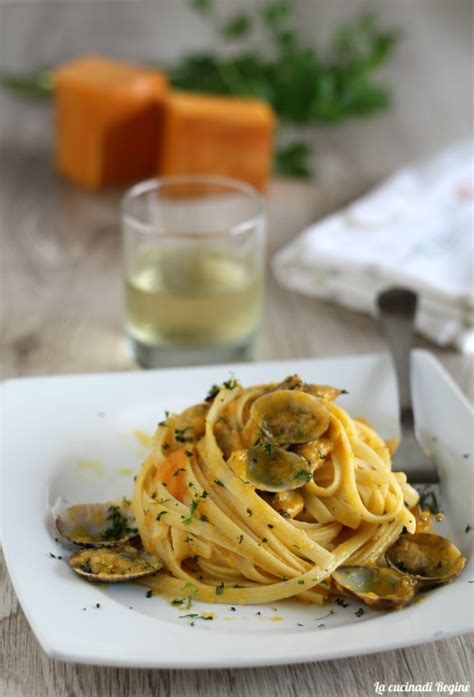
{"points": [[60, 248]]}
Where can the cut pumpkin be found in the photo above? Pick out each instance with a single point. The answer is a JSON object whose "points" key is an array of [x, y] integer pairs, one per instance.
{"points": [[108, 117], [227, 136]]}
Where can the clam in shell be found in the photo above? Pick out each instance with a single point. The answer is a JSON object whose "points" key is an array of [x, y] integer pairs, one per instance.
{"points": [[288, 416], [114, 564], [379, 587], [430, 559], [97, 524]]}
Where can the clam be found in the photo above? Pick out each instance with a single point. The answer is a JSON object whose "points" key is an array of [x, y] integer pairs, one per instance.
{"points": [[430, 559], [271, 468], [322, 391], [286, 416], [97, 524], [378, 587], [114, 565]]}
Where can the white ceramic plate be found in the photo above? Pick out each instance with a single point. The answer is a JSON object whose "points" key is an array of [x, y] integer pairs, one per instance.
{"points": [[70, 439]]}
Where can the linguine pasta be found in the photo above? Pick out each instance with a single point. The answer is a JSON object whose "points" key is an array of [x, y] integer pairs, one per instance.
{"points": [[226, 537]]}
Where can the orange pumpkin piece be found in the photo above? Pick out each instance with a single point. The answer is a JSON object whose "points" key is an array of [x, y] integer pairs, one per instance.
{"points": [[228, 136], [172, 473], [107, 121]]}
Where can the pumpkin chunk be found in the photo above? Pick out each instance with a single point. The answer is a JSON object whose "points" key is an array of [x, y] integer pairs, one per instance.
{"points": [[107, 121], [227, 136]]}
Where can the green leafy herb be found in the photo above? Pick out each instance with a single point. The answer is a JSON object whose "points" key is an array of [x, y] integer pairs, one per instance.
{"points": [[241, 539], [239, 25], [220, 588], [301, 582], [360, 612], [118, 525], [270, 525], [468, 528], [188, 453], [304, 474], [187, 601], [213, 392], [341, 602], [230, 384], [249, 511], [218, 482], [292, 160], [165, 446], [180, 437], [149, 594], [160, 514], [195, 615], [192, 508]]}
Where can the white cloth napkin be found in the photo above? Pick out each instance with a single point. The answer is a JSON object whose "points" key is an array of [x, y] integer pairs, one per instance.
{"points": [[415, 230]]}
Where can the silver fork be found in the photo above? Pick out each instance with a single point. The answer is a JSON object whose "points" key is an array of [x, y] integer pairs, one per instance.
{"points": [[397, 310]]}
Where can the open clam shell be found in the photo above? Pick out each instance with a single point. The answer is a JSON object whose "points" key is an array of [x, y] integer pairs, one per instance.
{"points": [[97, 524], [430, 559], [271, 468], [114, 565], [378, 587], [289, 416]]}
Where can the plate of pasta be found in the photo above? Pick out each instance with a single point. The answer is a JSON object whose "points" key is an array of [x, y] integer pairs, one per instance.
{"points": [[235, 515]]}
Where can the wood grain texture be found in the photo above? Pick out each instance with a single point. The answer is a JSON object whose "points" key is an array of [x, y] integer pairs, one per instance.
{"points": [[61, 310]]}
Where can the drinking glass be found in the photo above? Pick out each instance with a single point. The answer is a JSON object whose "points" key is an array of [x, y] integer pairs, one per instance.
{"points": [[193, 249]]}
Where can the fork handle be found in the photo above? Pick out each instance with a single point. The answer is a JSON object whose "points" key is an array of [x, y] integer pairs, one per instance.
{"points": [[397, 310]]}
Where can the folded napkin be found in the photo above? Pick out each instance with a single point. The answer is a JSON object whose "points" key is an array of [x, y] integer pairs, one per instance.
{"points": [[414, 230]]}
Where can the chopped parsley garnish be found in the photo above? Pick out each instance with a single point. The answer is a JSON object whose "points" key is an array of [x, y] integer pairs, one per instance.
{"points": [[195, 615], [230, 384], [249, 512], [218, 482], [360, 612], [299, 624], [233, 609], [264, 539], [344, 392], [180, 437], [164, 422], [187, 601], [188, 453], [118, 525], [148, 594], [322, 456], [213, 392], [204, 518], [53, 556], [304, 474], [468, 528], [318, 619], [97, 605], [270, 526], [241, 539], [192, 508], [220, 588], [161, 513], [301, 582], [165, 446], [341, 602]]}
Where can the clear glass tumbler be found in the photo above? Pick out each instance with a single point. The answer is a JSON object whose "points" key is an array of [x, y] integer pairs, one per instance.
{"points": [[193, 250]]}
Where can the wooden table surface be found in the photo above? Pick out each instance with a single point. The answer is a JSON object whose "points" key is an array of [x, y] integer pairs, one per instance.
{"points": [[62, 312]]}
